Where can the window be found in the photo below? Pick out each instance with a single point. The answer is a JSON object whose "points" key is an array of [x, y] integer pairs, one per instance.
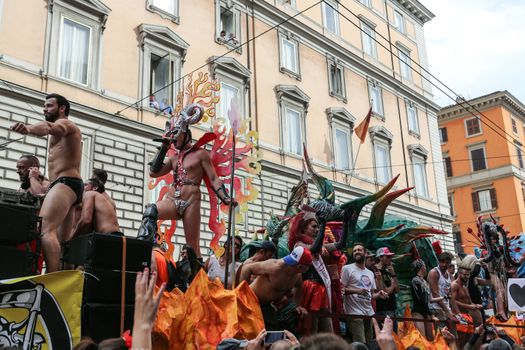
{"points": [[443, 136], [163, 52], [289, 50], [234, 80], [293, 106], [514, 126], [484, 200], [292, 3], [368, 36], [473, 126], [519, 154], [381, 140], [366, 3], [293, 127], [74, 41], [418, 156], [448, 166], [399, 21], [166, 8], [376, 99], [477, 157], [228, 28], [451, 204], [330, 16], [413, 124], [75, 47], [405, 67], [336, 80], [86, 163], [341, 123]]}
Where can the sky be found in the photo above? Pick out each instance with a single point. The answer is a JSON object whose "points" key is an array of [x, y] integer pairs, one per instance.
{"points": [[476, 47]]}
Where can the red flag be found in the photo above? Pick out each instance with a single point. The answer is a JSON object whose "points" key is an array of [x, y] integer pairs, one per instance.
{"points": [[362, 128]]}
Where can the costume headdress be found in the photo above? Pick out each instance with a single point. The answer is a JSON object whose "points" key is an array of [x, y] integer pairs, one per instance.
{"points": [[191, 114]]}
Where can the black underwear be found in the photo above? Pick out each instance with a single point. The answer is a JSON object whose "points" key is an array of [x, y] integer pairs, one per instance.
{"points": [[76, 184]]}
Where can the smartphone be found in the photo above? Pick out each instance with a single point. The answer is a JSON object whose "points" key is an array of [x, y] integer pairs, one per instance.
{"points": [[273, 336]]}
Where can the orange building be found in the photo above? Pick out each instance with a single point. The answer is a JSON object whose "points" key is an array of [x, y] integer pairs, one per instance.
{"points": [[482, 143]]}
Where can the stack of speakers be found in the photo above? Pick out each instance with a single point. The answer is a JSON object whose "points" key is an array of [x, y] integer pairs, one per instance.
{"points": [[107, 279], [20, 246]]}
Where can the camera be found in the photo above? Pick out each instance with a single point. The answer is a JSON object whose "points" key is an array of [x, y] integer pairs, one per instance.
{"points": [[273, 336]]}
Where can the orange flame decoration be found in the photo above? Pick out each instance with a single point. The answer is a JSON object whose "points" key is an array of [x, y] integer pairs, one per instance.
{"points": [[247, 160]]}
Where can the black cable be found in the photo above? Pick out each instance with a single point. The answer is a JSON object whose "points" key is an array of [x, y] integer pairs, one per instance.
{"points": [[461, 101]]}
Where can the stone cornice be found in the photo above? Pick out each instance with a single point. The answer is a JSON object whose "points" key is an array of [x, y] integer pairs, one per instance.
{"points": [[472, 179], [417, 9], [323, 43], [496, 99]]}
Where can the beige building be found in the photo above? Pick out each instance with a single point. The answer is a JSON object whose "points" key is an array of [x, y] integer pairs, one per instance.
{"points": [[304, 70]]}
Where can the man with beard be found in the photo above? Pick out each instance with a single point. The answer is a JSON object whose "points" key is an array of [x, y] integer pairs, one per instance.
{"points": [[183, 200], [359, 289], [461, 296], [31, 180], [66, 188], [439, 281]]}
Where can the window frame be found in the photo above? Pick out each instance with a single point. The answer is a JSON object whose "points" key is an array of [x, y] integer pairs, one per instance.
{"points": [[411, 107], [466, 120], [450, 198], [514, 125], [94, 17], [398, 14], [401, 52], [381, 137], [442, 139], [324, 7], [519, 154], [291, 97], [366, 3], [365, 37], [373, 86], [160, 41], [288, 38], [174, 17], [228, 5], [474, 148], [447, 165], [418, 157], [337, 157], [331, 91], [476, 202]]}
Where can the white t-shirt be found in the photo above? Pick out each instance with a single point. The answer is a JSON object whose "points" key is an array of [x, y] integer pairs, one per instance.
{"points": [[216, 270], [355, 277]]}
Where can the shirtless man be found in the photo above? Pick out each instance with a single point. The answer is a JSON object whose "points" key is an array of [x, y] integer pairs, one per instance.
{"points": [[189, 166], [276, 279], [461, 296], [98, 212], [102, 175], [266, 250], [66, 188], [31, 180]]}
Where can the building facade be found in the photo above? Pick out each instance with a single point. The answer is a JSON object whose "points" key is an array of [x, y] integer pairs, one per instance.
{"points": [[304, 71], [482, 144]]}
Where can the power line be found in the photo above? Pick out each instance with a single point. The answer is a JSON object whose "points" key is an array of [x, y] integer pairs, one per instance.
{"points": [[461, 101], [221, 56]]}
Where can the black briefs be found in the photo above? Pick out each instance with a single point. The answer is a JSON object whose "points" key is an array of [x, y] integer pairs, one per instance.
{"points": [[76, 184]]}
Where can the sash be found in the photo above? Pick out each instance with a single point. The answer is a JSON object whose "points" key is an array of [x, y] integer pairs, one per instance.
{"points": [[320, 267]]}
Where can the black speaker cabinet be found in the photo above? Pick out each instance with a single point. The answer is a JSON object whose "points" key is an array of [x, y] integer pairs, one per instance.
{"points": [[102, 321], [18, 215], [23, 259], [105, 286], [104, 251]]}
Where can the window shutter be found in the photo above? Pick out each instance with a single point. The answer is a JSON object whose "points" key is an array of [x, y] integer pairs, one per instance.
{"points": [[444, 134], [475, 201], [448, 166], [493, 200]]}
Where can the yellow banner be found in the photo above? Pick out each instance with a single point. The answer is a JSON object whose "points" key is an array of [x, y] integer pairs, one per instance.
{"points": [[41, 312]]}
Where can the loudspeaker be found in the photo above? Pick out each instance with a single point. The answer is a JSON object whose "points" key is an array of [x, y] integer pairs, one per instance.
{"points": [[24, 259], [19, 216], [104, 251], [104, 286], [102, 321]]}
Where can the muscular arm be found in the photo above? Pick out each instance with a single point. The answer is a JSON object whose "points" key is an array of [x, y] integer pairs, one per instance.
{"points": [[215, 181], [166, 167], [37, 187], [85, 224], [433, 279], [256, 268], [60, 128]]}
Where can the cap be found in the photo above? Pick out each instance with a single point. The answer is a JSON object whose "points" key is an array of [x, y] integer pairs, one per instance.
{"points": [[268, 245], [300, 255], [232, 344], [384, 252]]}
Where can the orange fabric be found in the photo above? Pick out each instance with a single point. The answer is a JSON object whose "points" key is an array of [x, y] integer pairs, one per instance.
{"points": [[409, 335], [440, 343], [513, 332], [399, 343], [162, 267], [205, 314], [466, 328]]}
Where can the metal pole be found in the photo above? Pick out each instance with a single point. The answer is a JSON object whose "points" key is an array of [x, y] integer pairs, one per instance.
{"points": [[230, 219]]}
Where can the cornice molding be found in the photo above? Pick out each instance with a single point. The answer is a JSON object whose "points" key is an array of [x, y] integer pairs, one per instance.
{"points": [[165, 36], [340, 114], [414, 7], [482, 177], [293, 93], [495, 99], [229, 65]]}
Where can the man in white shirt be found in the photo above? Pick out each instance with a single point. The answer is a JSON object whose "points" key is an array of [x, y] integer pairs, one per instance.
{"points": [[359, 289]]}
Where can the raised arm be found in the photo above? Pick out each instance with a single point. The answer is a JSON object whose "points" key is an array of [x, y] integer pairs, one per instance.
{"points": [[85, 224], [59, 128], [157, 167]]}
